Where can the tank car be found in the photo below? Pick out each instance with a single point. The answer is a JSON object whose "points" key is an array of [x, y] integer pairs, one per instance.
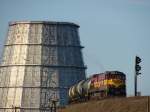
{"points": [[80, 91]]}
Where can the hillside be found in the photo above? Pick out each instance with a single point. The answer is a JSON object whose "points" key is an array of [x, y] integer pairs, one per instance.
{"points": [[130, 104]]}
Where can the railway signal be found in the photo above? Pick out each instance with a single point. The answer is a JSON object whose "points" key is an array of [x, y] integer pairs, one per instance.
{"points": [[137, 66], [137, 69]]}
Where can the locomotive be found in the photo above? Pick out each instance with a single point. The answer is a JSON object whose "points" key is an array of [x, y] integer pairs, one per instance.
{"points": [[102, 85]]}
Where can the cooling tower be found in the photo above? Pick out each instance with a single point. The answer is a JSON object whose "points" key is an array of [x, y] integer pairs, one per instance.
{"points": [[41, 60]]}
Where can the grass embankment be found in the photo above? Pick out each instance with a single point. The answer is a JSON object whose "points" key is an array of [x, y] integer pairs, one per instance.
{"points": [[130, 104]]}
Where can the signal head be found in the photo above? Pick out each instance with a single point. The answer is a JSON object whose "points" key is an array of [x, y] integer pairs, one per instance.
{"points": [[138, 60]]}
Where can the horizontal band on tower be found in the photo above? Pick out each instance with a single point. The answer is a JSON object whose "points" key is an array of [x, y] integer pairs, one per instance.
{"points": [[46, 45], [52, 66], [43, 22], [40, 87]]}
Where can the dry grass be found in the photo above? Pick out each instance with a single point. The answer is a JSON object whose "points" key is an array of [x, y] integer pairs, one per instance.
{"points": [[130, 104]]}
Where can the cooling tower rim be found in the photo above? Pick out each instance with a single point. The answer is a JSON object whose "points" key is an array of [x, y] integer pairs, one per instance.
{"points": [[43, 22]]}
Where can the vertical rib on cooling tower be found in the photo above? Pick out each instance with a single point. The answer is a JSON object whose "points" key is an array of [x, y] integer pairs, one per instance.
{"points": [[40, 61]]}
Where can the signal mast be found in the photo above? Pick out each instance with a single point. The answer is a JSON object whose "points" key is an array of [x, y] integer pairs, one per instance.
{"points": [[137, 73]]}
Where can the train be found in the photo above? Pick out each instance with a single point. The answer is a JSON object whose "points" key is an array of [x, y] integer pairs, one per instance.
{"points": [[99, 86]]}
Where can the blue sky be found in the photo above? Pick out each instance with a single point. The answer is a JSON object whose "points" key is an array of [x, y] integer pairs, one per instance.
{"points": [[112, 31]]}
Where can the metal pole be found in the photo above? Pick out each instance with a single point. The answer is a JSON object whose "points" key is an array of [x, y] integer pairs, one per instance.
{"points": [[135, 78], [135, 84]]}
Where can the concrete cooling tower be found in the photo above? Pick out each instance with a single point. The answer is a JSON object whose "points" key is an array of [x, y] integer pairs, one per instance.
{"points": [[41, 60]]}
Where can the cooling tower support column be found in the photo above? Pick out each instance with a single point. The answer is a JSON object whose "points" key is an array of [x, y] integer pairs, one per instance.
{"points": [[41, 60]]}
